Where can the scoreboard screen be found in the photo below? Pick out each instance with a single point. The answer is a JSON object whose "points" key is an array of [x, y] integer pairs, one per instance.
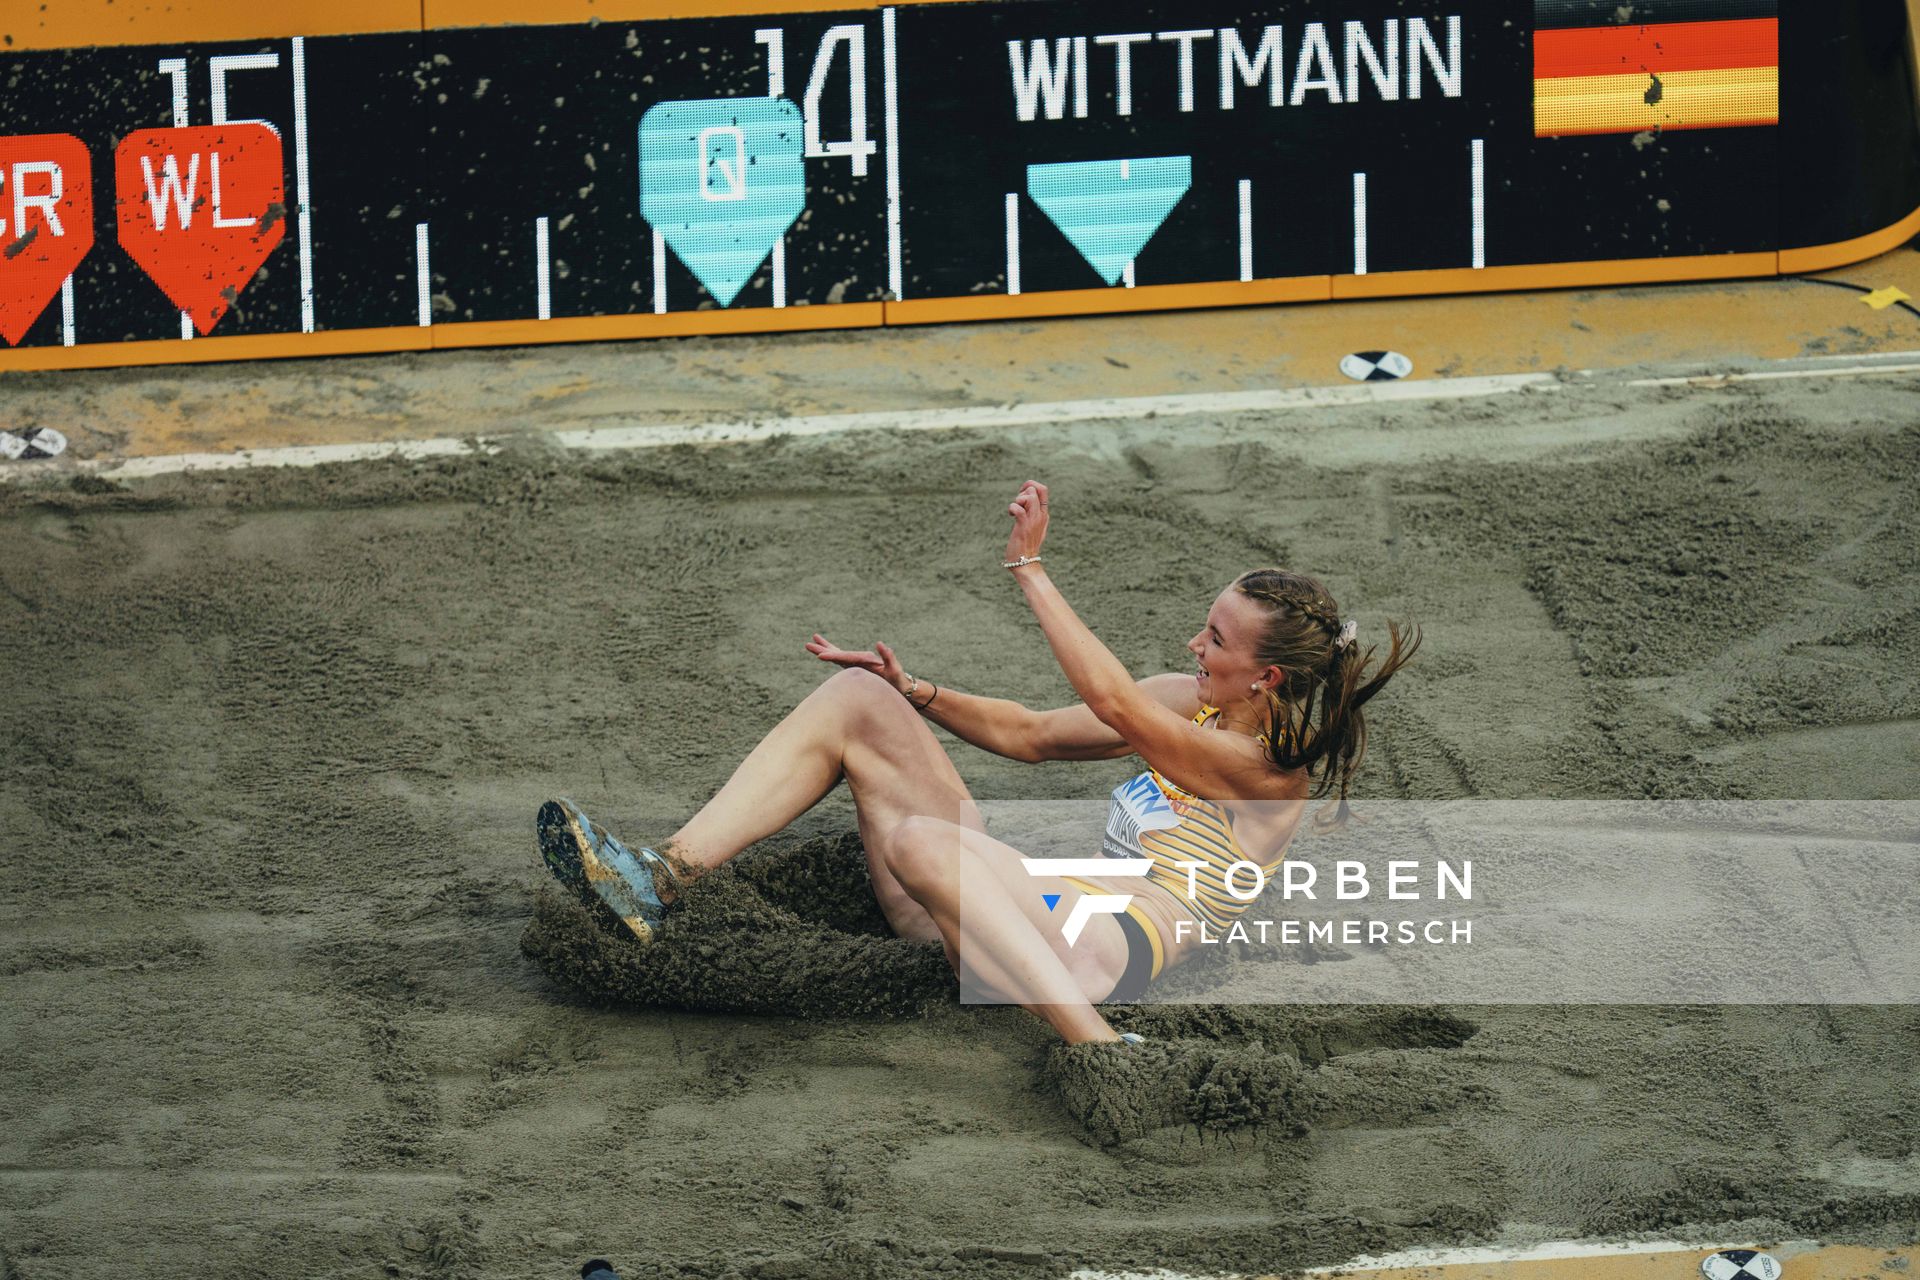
{"points": [[913, 162]]}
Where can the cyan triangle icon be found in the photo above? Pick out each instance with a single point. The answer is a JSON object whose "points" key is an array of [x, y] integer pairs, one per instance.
{"points": [[1109, 209], [1051, 899], [721, 180]]}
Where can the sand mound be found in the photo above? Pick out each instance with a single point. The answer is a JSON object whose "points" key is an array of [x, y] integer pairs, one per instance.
{"points": [[1379, 1065], [791, 928], [781, 930]]}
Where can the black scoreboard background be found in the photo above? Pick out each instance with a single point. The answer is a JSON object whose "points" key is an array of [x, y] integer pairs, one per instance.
{"points": [[481, 133]]}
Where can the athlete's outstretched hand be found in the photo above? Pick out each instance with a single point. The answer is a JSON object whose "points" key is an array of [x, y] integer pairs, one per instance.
{"points": [[1029, 512], [880, 659]]}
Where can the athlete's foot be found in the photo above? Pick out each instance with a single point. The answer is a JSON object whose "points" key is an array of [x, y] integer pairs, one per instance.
{"points": [[602, 872], [680, 872]]}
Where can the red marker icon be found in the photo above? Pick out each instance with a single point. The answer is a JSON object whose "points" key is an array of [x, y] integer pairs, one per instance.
{"points": [[200, 209], [46, 223]]}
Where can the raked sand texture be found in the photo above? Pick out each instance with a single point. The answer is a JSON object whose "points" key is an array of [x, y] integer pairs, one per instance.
{"points": [[286, 993]]}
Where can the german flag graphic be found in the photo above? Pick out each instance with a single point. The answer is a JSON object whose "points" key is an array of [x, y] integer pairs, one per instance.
{"points": [[1606, 67]]}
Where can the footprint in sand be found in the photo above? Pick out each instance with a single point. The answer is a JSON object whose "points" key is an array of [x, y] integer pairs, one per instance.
{"points": [[1280, 1071]]}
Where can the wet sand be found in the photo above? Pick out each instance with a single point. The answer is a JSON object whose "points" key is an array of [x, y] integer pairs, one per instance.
{"points": [[287, 991]]}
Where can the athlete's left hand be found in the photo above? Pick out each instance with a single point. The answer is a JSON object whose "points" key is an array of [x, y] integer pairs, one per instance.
{"points": [[1029, 512]]}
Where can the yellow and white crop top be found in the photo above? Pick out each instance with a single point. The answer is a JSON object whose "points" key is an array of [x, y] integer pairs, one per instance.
{"points": [[1150, 817]]}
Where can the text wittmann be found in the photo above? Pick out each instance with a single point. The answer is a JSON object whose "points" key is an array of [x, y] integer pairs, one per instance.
{"points": [[1391, 60]]}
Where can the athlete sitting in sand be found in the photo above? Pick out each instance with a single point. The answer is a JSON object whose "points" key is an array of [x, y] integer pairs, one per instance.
{"points": [[1272, 717]]}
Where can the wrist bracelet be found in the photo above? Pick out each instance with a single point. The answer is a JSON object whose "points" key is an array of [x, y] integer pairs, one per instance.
{"points": [[930, 701], [913, 687], [1022, 562]]}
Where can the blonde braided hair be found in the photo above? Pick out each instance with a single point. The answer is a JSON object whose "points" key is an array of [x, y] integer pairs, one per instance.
{"points": [[1316, 723]]}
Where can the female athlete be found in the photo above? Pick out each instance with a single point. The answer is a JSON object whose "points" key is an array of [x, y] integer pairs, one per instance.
{"points": [[1271, 717]]}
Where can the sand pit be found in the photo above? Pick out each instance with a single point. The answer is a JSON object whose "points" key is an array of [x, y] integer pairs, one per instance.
{"points": [[287, 992]]}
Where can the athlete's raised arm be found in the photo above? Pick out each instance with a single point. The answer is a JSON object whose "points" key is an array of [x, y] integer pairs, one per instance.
{"points": [[1000, 725], [1204, 762]]}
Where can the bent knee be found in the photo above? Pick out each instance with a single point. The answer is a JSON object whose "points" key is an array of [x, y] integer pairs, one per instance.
{"points": [[866, 690], [923, 850], [859, 680]]}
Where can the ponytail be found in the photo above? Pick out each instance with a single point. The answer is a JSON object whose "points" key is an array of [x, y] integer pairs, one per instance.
{"points": [[1318, 724]]}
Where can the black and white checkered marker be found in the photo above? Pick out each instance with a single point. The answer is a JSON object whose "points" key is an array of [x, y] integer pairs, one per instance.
{"points": [[1740, 1264], [34, 442], [1375, 366]]}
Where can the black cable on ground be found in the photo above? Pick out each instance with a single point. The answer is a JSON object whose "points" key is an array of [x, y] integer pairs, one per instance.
{"points": [[1857, 288]]}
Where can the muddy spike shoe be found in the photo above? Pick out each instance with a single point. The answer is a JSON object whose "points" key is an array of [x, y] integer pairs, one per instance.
{"points": [[603, 873]]}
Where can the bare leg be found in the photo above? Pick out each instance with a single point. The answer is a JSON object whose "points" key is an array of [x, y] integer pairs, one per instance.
{"points": [[999, 931], [854, 726], [924, 842]]}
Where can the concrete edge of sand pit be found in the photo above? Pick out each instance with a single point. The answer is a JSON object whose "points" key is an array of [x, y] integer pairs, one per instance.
{"points": [[634, 435], [1577, 1260]]}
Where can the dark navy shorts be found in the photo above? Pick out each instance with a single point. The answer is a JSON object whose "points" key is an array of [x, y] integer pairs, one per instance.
{"points": [[1139, 970]]}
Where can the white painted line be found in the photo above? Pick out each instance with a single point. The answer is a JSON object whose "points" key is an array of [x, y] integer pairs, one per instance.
{"points": [[1126, 275], [186, 326], [294, 456], [780, 271], [542, 269], [1047, 412], [1770, 375], [422, 275], [1864, 355], [1013, 244], [1359, 224], [66, 312], [659, 273], [1418, 1259], [890, 102], [1479, 201], [984, 417], [302, 192], [1246, 230], [1551, 1251]]}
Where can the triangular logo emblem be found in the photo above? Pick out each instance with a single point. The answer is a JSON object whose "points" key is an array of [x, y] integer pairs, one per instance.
{"points": [[1109, 209], [1051, 899]]}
